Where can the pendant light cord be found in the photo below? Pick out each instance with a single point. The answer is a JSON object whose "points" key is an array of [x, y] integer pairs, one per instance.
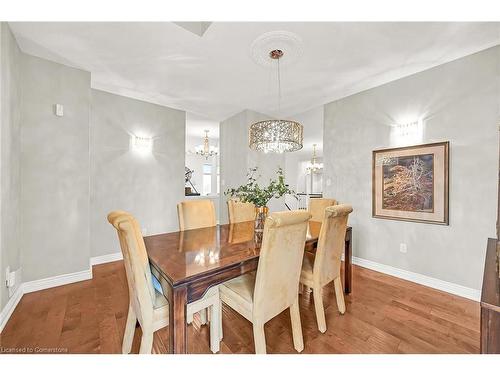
{"points": [[279, 88]]}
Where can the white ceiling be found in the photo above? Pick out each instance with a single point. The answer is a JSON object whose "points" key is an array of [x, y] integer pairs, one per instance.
{"points": [[215, 76]]}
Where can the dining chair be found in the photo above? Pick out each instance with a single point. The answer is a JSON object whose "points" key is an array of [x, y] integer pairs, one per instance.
{"points": [[259, 296], [317, 207], [147, 305], [240, 211], [322, 267], [196, 213]]}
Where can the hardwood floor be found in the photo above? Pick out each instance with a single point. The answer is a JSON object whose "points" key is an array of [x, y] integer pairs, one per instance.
{"points": [[384, 315]]}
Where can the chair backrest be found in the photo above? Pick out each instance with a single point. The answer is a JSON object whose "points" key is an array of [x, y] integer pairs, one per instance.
{"points": [[240, 211], [331, 243], [280, 263], [198, 213], [139, 279], [317, 207]]}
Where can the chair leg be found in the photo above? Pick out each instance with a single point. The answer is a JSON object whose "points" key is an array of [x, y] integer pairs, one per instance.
{"points": [[298, 340], [203, 316], [146, 340], [128, 337], [339, 294], [320, 311], [215, 317], [259, 338], [221, 332]]}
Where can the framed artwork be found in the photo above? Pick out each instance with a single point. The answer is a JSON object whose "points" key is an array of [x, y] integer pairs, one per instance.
{"points": [[411, 183]]}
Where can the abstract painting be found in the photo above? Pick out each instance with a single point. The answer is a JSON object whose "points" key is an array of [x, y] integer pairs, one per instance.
{"points": [[411, 183]]}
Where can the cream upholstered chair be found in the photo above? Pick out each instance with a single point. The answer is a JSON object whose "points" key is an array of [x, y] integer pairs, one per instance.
{"points": [[147, 305], [317, 207], [197, 213], [240, 211], [321, 268], [259, 296]]}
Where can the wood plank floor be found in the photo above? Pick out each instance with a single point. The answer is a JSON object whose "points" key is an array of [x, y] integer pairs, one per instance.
{"points": [[384, 315]]}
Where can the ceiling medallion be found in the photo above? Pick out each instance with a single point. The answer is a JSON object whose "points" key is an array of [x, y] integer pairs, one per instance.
{"points": [[276, 135], [276, 40]]}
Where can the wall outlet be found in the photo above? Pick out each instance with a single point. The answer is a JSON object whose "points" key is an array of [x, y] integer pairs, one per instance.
{"points": [[7, 277], [12, 280], [403, 248]]}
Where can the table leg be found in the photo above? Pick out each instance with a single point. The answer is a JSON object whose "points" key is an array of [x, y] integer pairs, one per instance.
{"points": [[348, 262], [177, 321]]}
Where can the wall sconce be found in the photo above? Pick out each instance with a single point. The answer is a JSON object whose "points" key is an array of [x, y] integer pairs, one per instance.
{"points": [[407, 133], [142, 144]]}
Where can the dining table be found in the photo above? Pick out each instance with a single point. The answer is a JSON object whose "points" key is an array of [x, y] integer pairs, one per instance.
{"points": [[187, 263]]}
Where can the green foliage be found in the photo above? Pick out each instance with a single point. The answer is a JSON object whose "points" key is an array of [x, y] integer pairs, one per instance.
{"points": [[251, 192]]}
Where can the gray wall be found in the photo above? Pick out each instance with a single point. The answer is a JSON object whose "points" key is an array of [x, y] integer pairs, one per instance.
{"points": [[236, 158], [60, 176], [54, 169], [10, 103], [459, 102], [150, 185], [296, 162]]}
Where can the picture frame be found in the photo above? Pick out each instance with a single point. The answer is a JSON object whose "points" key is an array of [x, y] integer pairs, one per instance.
{"points": [[411, 183]]}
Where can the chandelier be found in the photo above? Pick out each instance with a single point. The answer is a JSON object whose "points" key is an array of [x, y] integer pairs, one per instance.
{"points": [[314, 166], [205, 149], [276, 135]]}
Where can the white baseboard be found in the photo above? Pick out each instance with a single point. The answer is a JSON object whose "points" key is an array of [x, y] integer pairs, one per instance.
{"points": [[51, 282], [10, 307], [106, 258], [418, 278]]}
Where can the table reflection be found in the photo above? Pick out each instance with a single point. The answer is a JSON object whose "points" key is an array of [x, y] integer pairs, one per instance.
{"points": [[200, 246], [241, 232]]}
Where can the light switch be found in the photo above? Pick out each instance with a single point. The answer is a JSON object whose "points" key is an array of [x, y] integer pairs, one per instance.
{"points": [[403, 248], [59, 110]]}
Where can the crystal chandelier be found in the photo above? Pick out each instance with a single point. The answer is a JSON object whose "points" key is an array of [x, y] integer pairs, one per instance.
{"points": [[276, 135], [314, 166], [205, 149]]}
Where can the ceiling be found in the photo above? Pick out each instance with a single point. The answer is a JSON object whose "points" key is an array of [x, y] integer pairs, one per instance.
{"points": [[214, 74]]}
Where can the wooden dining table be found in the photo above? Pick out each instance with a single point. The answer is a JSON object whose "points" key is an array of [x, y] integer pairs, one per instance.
{"points": [[187, 263]]}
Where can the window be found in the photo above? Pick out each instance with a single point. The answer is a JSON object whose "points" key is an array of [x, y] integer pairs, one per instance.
{"points": [[207, 179]]}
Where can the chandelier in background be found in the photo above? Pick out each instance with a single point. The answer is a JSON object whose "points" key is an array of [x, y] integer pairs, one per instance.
{"points": [[205, 149], [314, 166], [276, 135]]}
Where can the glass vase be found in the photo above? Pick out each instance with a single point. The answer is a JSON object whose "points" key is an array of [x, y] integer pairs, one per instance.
{"points": [[260, 218]]}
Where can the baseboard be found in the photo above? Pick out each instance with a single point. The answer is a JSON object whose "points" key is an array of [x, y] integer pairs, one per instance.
{"points": [[106, 258], [51, 282], [431, 282], [10, 307]]}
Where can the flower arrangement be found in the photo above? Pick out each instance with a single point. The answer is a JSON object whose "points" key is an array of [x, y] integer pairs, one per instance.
{"points": [[251, 192]]}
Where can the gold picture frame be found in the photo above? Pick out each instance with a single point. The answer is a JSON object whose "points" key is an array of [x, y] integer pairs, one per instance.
{"points": [[412, 183]]}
